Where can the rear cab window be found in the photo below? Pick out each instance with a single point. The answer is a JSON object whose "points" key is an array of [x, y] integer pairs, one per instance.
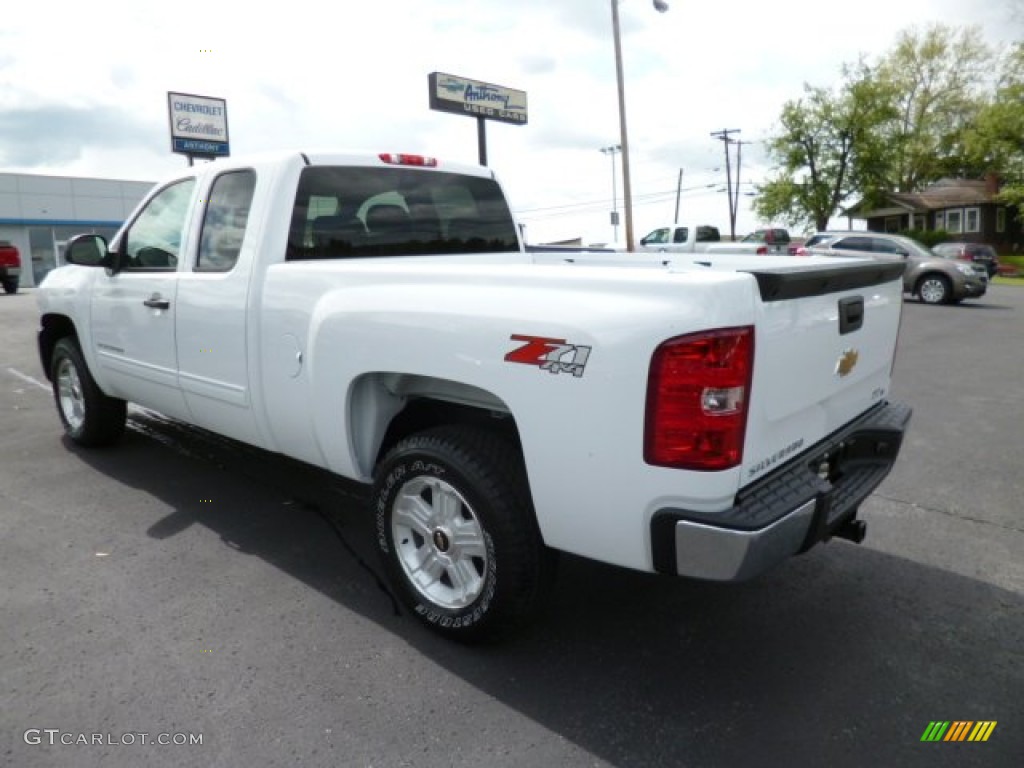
{"points": [[354, 212]]}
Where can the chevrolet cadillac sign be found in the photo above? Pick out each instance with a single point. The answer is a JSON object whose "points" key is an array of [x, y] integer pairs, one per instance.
{"points": [[199, 125], [451, 93]]}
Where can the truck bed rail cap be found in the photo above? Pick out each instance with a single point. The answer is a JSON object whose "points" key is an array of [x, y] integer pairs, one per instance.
{"points": [[782, 284]]}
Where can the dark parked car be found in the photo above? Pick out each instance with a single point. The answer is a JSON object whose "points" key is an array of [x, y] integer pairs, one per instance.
{"points": [[976, 252]]}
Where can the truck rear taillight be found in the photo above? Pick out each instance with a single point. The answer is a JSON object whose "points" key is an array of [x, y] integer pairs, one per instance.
{"points": [[398, 159], [698, 392], [762, 250]]}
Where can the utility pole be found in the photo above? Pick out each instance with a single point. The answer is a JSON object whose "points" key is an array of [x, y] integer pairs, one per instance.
{"points": [[613, 150], [679, 191], [627, 190], [736, 194], [727, 140]]}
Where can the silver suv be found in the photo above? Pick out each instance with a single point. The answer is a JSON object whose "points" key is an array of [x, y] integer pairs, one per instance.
{"points": [[932, 279]]}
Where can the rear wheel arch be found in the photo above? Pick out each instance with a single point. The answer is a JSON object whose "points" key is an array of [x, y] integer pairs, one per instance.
{"points": [[384, 408]]}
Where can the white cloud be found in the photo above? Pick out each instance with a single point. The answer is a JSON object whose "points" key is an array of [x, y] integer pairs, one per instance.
{"points": [[83, 85]]}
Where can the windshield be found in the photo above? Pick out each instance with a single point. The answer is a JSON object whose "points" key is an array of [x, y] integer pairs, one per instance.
{"points": [[915, 248]]}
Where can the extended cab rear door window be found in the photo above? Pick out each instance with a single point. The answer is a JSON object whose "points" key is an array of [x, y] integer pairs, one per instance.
{"points": [[351, 212], [227, 213]]}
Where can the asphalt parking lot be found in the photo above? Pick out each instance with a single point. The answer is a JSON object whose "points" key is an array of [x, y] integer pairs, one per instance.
{"points": [[182, 586]]}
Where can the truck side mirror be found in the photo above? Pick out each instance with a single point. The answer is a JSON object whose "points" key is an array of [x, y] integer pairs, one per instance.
{"points": [[87, 251]]}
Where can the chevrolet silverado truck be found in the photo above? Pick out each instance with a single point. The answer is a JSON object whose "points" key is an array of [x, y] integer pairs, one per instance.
{"points": [[378, 316], [703, 238], [10, 267]]}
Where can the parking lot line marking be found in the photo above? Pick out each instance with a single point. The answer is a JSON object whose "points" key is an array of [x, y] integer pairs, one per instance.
{"points": [[25, 377]]}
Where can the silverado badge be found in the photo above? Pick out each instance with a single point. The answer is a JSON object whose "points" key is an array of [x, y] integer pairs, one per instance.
{"points": [[846, 362]]}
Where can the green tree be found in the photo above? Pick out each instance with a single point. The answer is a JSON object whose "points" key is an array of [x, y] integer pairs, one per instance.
{"points": [[938, 79], [827, 149], [995, 142]]}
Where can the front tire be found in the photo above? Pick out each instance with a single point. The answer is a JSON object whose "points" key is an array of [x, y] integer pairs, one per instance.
{"points": [[90, 418], [457, 533], [934, 289]]}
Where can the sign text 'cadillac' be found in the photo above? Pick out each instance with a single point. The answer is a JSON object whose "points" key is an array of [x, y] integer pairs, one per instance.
{"points": [[451, 93], [199, 125]]}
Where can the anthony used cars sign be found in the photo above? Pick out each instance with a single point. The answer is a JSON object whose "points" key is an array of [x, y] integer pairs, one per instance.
{"points": [[199, 125], [451, 93]]}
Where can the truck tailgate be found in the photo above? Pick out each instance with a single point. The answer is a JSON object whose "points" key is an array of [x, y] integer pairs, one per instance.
{"points": [[825, 341]]}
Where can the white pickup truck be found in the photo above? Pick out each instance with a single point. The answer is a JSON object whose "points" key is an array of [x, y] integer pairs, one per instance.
{"points": [[703, 238], [378, 316]]}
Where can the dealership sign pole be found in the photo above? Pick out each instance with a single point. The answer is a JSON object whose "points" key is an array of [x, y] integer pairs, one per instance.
{"points": [[484, 101], [199, 125]]}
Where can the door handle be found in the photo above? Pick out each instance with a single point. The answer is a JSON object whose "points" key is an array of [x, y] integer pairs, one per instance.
{"points": [[155, 302], [851, 314]]}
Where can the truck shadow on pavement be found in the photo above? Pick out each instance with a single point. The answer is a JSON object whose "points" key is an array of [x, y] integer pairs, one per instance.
{"points": [[840, 657]]}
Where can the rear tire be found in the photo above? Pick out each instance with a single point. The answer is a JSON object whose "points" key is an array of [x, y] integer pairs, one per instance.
{"points": [[90, 418], [934, 289], [11, 285], [457, 533]]}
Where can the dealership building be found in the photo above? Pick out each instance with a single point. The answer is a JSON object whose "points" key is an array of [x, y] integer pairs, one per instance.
{"points": [[38, 214]]}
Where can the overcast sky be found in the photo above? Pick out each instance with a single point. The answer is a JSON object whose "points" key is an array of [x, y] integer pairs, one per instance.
{"points": [[83, 86]]}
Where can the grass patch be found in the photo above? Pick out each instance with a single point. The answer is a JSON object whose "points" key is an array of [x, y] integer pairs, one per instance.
{"points": [[1000, 280], [1015, 261]]}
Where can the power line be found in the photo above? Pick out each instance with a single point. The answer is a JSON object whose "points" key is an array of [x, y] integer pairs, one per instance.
{"points": [[653, 198], [646, 198]]}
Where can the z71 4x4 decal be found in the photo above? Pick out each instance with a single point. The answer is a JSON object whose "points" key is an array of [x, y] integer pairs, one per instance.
{"points": [[553, 355]]}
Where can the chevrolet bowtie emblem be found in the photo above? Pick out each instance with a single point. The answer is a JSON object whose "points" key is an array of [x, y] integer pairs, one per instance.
{"points": [[847, 361]]}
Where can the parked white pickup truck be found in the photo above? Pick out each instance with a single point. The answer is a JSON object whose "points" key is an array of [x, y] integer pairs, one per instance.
{"points": [[379, 317], [703, 238]]}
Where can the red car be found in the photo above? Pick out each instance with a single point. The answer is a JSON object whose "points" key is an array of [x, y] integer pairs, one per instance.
{"points": [[977, 252], [10, 266]]}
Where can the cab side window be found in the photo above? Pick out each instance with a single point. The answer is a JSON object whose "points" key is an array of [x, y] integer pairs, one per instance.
{"points": [[857, 243], [885, 246], [227, 213], [154, 241], [657, 237]]}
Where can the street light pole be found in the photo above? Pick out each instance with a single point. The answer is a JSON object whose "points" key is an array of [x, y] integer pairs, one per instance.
{"points": [[613, 150], [627, 190]]}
